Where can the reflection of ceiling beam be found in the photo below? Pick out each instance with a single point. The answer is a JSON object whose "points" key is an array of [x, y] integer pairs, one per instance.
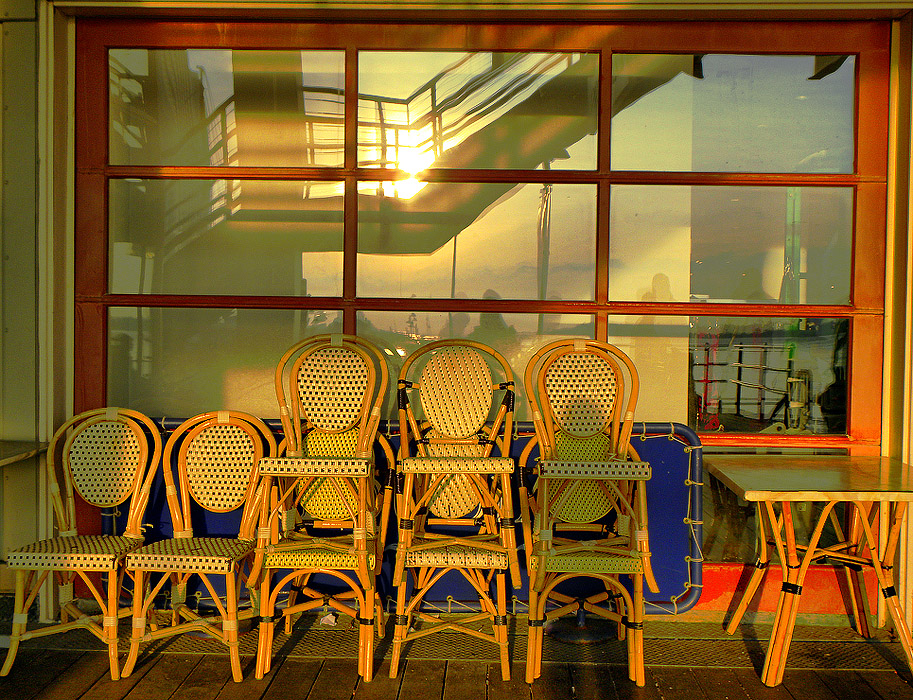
{"points": [[825, 65], [636, 75], [536, 131]]}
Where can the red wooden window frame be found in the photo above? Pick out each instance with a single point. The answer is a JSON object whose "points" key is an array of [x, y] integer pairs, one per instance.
{"points": [[869, 41]]}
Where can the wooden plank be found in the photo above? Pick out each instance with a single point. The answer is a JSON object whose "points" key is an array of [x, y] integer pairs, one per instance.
{"points": [[37, 671], [425, 679], [288, 677], [336, 680], [206, 680], [848, 685], [807, 684], [719, 684], [464, 679], [756, 690], [514, 689], [167, 673], [889, 685], [382, 687], [674, 682], [591, 682], [103, 688], [554, 682], [251, 688], [626, 688]]}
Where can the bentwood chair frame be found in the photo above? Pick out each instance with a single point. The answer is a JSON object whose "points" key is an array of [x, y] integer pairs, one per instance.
{"points": [[322, 513], [456, 510], [216, 457], [104, 456], [586, 515]]}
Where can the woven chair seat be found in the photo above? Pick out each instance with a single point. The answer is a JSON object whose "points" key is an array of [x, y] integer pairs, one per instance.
{"points": [[454, 465], [459, 556], [316, 557], [316, 466], [209, 555], [590, 562], [83, 552], [614, 469]]}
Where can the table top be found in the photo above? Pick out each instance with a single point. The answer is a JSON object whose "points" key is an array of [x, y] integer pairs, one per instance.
{"points": [[813, 477]]}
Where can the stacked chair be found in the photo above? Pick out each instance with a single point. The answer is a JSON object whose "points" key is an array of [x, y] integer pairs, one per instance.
{"points": [[312, 516], [215, 456], [455, 512], [105, 456], [323, 516], [586, 513]]}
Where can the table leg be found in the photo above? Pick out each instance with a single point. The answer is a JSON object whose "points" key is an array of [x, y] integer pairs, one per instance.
{"points": [[884, 571], [757, 576], [854, 579], [794, 572]]}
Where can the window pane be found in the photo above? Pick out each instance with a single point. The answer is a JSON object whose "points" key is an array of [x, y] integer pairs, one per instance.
{"points": [[739, 375], [476, 240], [516, 336], [244, 237], [477, 110], [179, 362], [226, 107], [733, 113], [784, 375], [790, 245]]}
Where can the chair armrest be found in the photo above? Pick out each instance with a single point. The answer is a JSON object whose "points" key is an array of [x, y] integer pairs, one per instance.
{"points": [[316, 466], [447, 465], [612, 469]]}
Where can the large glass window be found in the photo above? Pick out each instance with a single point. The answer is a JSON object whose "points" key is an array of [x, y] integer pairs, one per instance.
{"points": [[710, 200]]}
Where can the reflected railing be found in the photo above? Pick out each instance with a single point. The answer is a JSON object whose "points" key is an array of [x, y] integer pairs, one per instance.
{"points": [[410, 133]]}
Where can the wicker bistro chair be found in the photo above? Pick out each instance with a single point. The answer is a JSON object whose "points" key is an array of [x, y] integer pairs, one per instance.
{"points": [[586, 515], [456, 509], [105, 456], [215, 456], [323, 516]]}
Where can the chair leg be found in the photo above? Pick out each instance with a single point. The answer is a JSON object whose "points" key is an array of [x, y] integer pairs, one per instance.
{"points": [[500, 627], [366, 636], [138, 624], [230, 626], [19, 621], [110, 621], [266, 627], [534, 638], [636, 636], [401, 628]]}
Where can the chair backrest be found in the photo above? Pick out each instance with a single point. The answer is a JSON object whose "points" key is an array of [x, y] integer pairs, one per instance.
{"points": [[105, 456], [330, 389], [582, 394], [216, 456], [448, 407]]}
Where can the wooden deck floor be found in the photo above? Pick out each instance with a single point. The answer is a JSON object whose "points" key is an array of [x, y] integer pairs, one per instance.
{"points": [[83, 675]]}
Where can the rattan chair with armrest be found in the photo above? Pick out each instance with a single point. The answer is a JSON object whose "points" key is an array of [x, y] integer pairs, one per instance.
{"points": [[585, 515], [455, 513], [323, 514]]}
